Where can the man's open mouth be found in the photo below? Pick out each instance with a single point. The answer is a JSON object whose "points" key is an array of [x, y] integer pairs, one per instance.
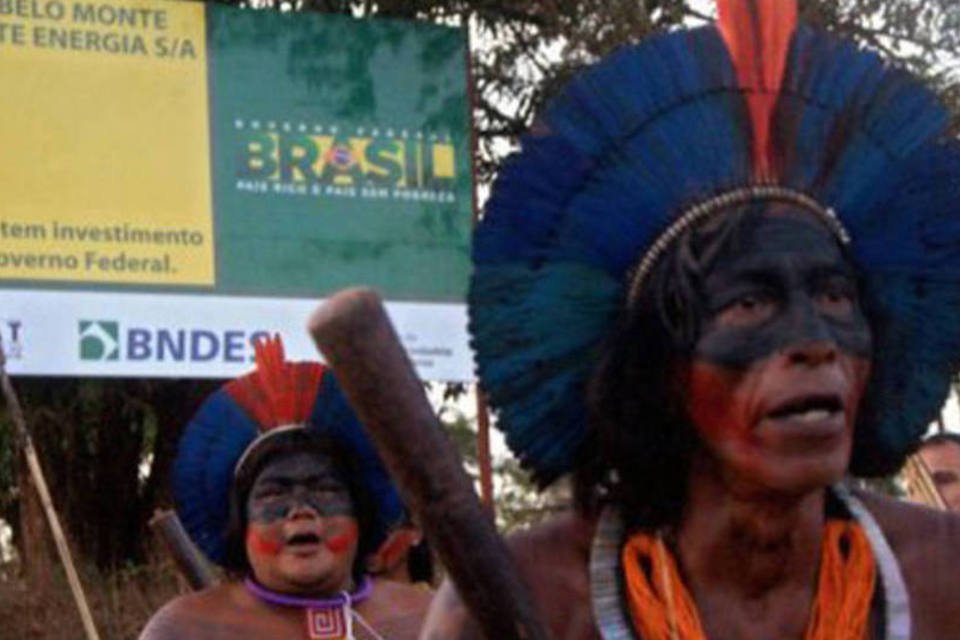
{"points": [[811, 408], [303, 539]]}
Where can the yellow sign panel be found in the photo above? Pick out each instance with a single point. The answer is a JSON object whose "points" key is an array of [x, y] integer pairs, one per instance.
{"points": [[444, 165], [106, 161]]}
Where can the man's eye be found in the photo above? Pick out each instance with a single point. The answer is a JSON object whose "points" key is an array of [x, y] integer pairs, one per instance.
{"points": [[745, 309], [837, 301], [944, 477], [268, 492], [331, 495]]}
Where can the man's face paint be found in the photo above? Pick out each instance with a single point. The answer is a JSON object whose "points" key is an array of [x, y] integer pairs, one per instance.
{"points": [[783, 357], [301, 534]]}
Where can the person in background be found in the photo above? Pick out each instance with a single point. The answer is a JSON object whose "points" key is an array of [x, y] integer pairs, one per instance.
{"points": [[941, 456], [276, 482]]}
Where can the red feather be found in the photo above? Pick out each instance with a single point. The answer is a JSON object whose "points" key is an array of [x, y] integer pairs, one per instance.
{"points": [[278, 392], [757, 34]]}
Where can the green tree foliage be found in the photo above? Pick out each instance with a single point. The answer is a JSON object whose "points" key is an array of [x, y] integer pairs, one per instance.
{"points": [[94, 436], [105, 447], [518, 503], [523, 50]]}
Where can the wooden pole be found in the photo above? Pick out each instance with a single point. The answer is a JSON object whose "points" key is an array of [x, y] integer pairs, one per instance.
{"points": [[23, 435], [186, 556], [921, 484], [359, 343], [484, 464]]}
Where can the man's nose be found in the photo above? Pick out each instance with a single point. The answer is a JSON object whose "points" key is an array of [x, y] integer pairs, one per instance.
{"points": [[812, 342], [301, 506], [812, 353]]}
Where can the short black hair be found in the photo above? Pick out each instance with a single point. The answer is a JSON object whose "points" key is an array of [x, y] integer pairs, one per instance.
{"points": [[346, 467], [942, 437], [420, 562]]}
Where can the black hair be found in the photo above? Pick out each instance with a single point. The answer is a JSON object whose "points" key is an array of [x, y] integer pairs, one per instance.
{"points": [[290, 442], [642, 441], [420, 563]]}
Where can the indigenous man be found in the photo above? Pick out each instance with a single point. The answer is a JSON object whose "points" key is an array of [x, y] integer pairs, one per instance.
{"points": [[276, 482], [722, 273], [941, 456]]}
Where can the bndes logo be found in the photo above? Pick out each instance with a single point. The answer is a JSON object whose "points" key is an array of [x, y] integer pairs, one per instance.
{"points": [[105, 340], [99, 340]]}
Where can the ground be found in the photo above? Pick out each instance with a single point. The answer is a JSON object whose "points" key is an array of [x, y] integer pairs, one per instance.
{"points": [[121, 601]]}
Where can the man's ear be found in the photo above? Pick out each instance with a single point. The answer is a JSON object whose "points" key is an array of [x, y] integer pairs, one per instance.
{"points": [[393, 550]]}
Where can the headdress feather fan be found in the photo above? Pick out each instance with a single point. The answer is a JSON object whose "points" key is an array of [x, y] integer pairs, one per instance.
{"points": [[235, 419], [277, 392], [656, 128]]}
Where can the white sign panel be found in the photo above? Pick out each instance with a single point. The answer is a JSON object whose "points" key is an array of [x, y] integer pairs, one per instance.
{"points": [[188, 336]]}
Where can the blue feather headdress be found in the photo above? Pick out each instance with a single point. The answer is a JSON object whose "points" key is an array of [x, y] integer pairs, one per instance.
{"points": [[232, 422], [656, 129]]}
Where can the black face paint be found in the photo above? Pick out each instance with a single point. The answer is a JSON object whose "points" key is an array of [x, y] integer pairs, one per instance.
{"points": [[782, 282], [295, 481]]}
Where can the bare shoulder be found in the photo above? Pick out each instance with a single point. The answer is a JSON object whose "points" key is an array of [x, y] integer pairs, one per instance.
{"points": [[194, 615], [927, 545], [556, 548], [554, 558], [402, 595], [396, 610], [564, 531]]}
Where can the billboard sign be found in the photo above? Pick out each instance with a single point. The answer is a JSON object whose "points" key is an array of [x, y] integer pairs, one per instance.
{"points": [[242, 165]]}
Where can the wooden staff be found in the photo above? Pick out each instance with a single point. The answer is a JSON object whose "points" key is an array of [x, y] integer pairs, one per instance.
{"points": [[355, 335], [186, 557], [23, 435]]}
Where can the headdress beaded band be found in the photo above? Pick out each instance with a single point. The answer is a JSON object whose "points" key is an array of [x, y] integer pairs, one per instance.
{"points": [[260, 439], [718, 204]]}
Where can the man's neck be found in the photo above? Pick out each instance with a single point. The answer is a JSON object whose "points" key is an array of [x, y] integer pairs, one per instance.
{"points": [[747, 541], [749, 557], [319, 591]]}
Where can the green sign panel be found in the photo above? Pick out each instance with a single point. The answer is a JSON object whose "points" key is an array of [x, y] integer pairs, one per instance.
{"points": [[341, 155], [206, 149]]}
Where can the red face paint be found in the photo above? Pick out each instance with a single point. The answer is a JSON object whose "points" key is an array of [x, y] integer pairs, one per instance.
{"points": [[717, 403], [342, 542], [262, 545], [759, 424], [778, 370]]}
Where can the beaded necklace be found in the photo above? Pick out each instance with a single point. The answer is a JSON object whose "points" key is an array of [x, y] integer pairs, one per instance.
{"points": [[326, 618], [662, 608], [612, 616]]}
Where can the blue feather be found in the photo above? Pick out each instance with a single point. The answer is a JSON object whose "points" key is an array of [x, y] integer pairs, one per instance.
{"points": [[203, 470], [655, 128], [220, 432]]}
